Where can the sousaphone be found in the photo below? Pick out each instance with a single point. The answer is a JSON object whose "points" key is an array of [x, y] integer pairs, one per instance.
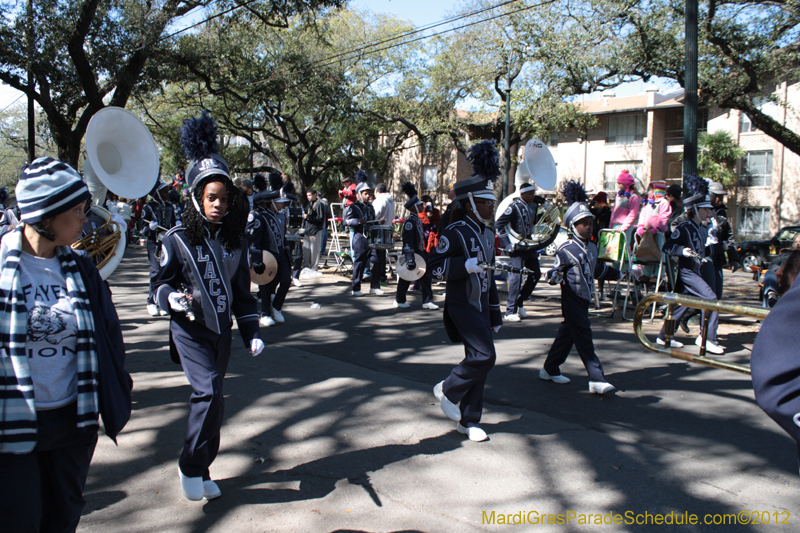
{"points": [[538, 167], [121, 156]]}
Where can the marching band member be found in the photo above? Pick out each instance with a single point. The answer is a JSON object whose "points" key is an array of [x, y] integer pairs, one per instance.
{"points": [[775, 366], [414, 243], [266, 230], [203, 281], [520, 216], [688, 244], [159, 212], [471, 306], [575, 269], [290, 200], [356, 217], [722, 246]]}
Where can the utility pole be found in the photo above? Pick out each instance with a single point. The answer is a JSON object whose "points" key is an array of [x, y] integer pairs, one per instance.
{"points": [[31, 85], [690, 96], [507, 166]]}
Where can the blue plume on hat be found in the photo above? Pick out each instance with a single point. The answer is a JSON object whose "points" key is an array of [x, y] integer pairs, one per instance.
{"points": [[3, 195], [572, 191], [288, 188], [361, 176], [199, 137], [484, 159], [409, 189], [695, 185], [275, 181], [259, 182]]}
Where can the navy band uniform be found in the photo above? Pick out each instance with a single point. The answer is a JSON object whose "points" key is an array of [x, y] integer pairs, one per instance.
{"points": [[355, 216], [266, 230], [163, 214], [520, 216]]}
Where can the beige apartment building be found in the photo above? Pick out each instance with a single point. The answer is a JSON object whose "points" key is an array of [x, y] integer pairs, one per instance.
{"points": [[644, 134]]}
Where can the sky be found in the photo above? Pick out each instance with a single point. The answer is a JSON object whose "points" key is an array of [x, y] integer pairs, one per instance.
{"points": [[419, 12]]}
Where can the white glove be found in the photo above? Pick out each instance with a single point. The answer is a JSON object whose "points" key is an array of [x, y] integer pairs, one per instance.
{"points": [[153, 225], [472, 265], [688, 252], [496, 328], [175, 302], [256, 347]]}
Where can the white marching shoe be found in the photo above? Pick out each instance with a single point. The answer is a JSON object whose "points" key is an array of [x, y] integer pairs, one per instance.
{"points": [[430, 305], [296, 282], [379, 292], [267, 321], [450, 409], [358, 293], [192, 487], [711, 346], [152, 309], [560, 379], [278, 316], [600, 387], [474, 433], [211, 490], [672, 343], [511, 318], [399, 305]]}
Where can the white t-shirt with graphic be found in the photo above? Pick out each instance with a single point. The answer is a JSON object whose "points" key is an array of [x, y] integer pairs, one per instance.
{"points": [[52, 332]]}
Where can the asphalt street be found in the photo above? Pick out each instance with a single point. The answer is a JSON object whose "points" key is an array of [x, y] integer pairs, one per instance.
{"points": [[334, 428]]}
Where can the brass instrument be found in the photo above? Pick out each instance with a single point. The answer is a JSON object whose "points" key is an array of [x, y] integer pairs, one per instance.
{"points": [[542, 234], [673, 300], [505, 267], [105, 242]]}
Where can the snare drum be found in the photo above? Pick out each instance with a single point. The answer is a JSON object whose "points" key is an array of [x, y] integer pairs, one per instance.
{"points": [[295, 244], [294, 217], [380, 236]]}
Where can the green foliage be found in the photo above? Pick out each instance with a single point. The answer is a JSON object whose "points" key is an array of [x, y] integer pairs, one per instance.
{"points": [[718, 155]]}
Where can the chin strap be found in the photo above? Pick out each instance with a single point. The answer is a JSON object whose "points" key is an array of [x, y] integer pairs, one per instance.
{"points": [[475, 210]]}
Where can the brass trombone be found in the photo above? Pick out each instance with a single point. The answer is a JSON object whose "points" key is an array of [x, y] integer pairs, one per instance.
{"points": [[674, 300]]}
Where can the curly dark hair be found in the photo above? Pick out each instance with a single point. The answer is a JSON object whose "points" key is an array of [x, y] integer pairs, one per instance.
{"points": [[233, 224]]}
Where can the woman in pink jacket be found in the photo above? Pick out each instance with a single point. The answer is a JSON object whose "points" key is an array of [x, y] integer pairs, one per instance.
{"points": [[626, 206], [653, 217]]}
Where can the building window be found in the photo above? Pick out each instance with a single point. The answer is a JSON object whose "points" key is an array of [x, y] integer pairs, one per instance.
{"points": [[753, 221], [430, 145], [745, 126], [614, 168], [626, 129], [755, 169], [430, 177]]}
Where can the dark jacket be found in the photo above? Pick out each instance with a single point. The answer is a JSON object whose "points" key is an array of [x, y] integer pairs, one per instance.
{"points": [[114, 383]]}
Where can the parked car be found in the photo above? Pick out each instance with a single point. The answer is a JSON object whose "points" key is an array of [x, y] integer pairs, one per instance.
{"points": [[760, 253], [562, 236]]}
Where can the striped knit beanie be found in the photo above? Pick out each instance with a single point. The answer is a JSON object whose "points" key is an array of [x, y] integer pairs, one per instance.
{"points": [[47, 188]]}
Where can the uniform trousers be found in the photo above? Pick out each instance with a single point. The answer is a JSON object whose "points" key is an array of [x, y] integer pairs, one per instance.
{"points": [[694, 285], [425, 286], [464, 386], [279, 286], [574, 330], [204, 357], [152, 251], [518, 291], [42, 491], [361, 255]]}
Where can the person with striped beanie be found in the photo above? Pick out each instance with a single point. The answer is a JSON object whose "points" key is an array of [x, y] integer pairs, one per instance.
{"points": [[56, 343]]}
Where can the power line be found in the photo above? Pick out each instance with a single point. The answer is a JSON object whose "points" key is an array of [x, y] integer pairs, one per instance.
{"points": [[418, 30], [328, 61], [12, 103]]}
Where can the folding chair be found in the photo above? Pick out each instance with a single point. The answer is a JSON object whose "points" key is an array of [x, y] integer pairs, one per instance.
{"points": [[626, 263]]}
